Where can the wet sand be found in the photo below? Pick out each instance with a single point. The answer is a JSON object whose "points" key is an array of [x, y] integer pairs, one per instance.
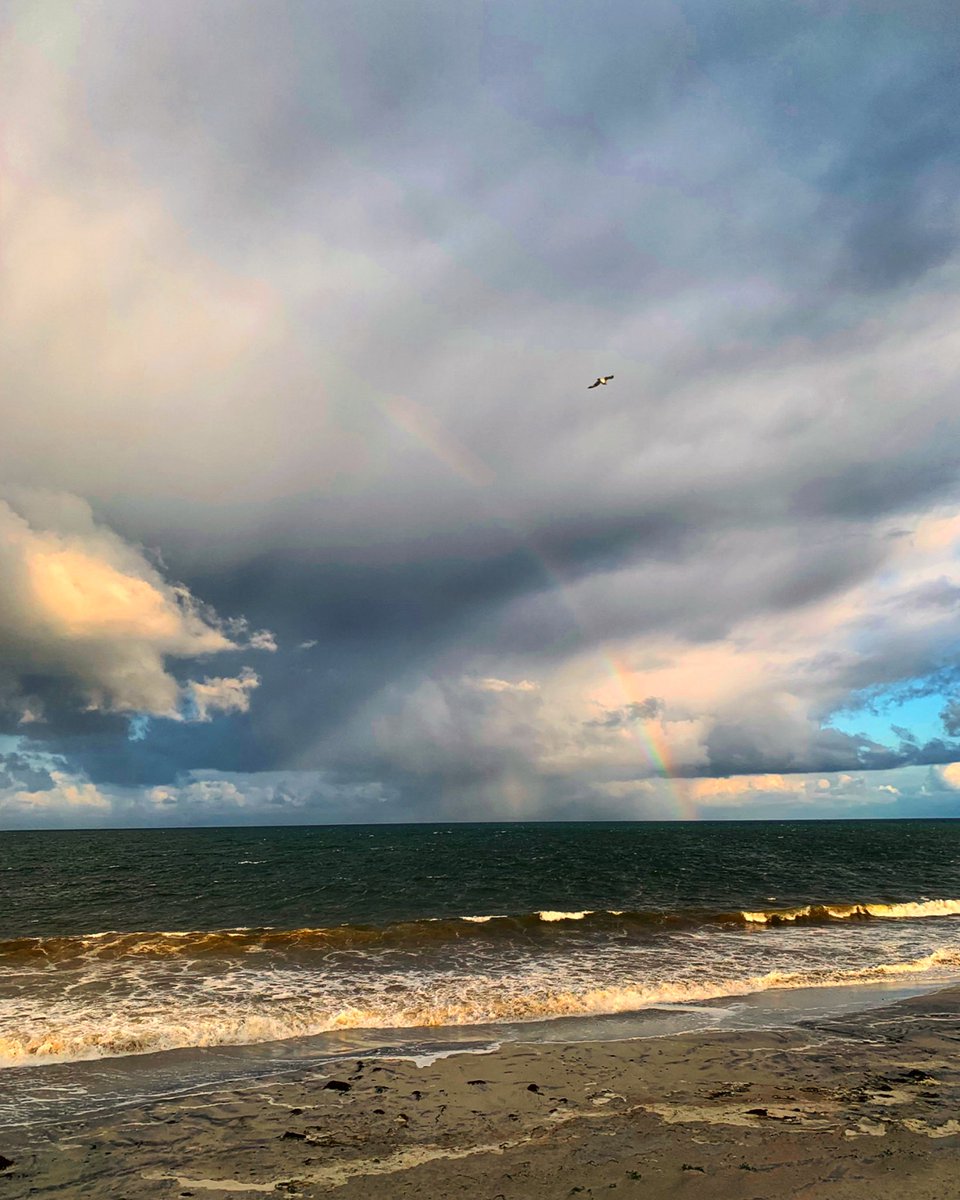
{"points": [[865, 1106]]}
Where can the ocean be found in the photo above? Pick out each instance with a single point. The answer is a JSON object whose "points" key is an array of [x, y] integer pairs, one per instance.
{"points": [[276, 944]]}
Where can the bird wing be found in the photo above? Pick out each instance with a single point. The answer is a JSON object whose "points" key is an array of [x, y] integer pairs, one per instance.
{"points": [[607, 378], [593, 385]]}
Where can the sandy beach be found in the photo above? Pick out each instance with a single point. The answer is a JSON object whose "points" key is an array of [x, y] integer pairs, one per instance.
{"points": [[862, 1106]]}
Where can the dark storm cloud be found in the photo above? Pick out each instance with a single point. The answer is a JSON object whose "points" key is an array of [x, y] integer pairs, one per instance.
{"points": [[374, 623], [63, 708], [902, 174], [738, 749], [899, 671], [104, 752], [420, 600], [907, 476], [950, 716], [528, 138]]}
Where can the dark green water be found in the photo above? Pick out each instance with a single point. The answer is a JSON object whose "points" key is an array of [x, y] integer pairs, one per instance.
{"points": [[57, 883], [120, 942]]}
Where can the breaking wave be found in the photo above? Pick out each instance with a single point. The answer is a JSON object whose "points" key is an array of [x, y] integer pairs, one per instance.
{"points": [[443, 1003], [846, 912], [547, 924], [115, 993]]}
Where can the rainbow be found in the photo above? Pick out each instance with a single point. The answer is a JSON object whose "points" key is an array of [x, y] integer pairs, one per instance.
{"points": [[423, 426], [650, 736]]}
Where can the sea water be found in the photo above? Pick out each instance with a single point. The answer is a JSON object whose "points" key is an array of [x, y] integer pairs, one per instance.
{"points": [[123, 943]]}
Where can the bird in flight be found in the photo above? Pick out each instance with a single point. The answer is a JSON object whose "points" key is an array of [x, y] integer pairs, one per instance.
{"points": [[604, 379]]}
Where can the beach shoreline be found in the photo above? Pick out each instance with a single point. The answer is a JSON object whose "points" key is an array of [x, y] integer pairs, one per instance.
{"points": [[860, 1104]]}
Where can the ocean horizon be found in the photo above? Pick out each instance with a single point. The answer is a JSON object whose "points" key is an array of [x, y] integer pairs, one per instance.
{"points": [[840, 818]]}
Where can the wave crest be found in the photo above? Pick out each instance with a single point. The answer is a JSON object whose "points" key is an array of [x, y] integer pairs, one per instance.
{"points": [[404, 935], [910, 910]]}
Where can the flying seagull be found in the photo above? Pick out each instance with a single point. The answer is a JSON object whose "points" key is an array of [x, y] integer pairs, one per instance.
{"points": [[604, 379]]}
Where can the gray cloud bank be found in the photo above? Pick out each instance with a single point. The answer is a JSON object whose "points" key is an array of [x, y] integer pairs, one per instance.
{"points": [[300, 308]]}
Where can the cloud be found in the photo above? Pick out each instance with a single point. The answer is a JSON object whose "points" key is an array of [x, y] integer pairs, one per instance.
{"points": [[25, 773], [308, 307], [750, 703], [502, 685], [950, 716], [738, 786], [292, 797], [221, 695], [66, 798], [949, 775], [640, 710], [84, 611]]}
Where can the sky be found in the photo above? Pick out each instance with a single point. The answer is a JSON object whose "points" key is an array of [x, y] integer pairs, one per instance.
{"points": [[306, 511]]}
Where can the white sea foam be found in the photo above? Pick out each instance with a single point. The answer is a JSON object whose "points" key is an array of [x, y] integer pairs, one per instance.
{"points": [[160, 1013], [132, 993]]}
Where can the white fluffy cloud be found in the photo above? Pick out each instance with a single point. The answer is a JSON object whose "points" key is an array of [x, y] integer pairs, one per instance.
{"points": [[949, 775], [306, 796], [222, 694], [85, 609], [70, 798]]}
